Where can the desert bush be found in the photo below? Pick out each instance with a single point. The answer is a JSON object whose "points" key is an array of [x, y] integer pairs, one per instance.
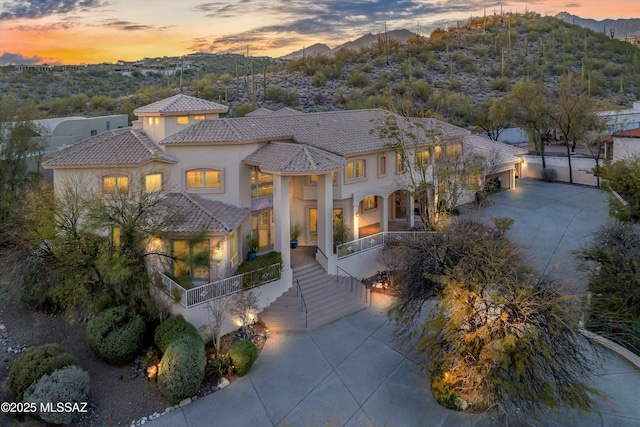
{"points": [[116, 335], [319, 79], [33, 364], [502, 84], [69, 385], [549, 174], [181, 369], [171, 329], [242, 354], [357, 79], [217, 367]]}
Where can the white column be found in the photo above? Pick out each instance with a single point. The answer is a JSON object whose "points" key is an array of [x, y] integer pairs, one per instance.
{"points": [[281, 218], [325, 213], [410, 211], [512, 179], [384, 214]]}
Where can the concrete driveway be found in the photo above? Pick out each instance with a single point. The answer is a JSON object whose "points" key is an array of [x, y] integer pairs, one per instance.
{"points": [[352, 373], [551, 221]]}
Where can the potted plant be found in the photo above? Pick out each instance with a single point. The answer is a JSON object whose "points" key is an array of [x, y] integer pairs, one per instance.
{"points": [[252, 243], [294, 233]]}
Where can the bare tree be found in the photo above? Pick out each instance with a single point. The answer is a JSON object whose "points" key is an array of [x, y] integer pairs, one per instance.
{"points": [[244, 306], [217, 310]]}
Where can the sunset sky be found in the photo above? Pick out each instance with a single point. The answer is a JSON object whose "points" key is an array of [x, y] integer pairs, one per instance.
{"points": [[94, 31]]}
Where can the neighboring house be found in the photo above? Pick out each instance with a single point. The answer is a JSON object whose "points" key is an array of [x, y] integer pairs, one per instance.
{"points": [[261, 174], [618, 120], [63, 131], [626, 144]]}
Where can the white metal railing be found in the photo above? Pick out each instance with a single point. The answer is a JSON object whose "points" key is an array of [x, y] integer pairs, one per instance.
{"points": [[373, 241], [220, 288]]}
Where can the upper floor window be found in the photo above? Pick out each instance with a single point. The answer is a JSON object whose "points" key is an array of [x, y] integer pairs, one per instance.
{"points": [[382, 165], [94, 132], [422, 158], [400, 158], [261, 183], [199, 118], [206, 179], [183, 120], [355, 169], [115, 235], [108, 124], [314, 178], [115, 184], [154, 121], [150, 121], [454, 150], [153, 182]]}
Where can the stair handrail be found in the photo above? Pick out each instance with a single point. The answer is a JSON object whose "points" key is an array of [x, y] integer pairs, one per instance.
{"points": [[352, 278], [303, 304], [323, 254]]}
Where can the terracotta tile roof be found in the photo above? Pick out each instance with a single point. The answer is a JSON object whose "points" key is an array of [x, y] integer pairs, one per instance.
{"points": [[196, 214], [286, 157], [122, 147], [180, 104], [629, 133], [497, 152], [340, 132]]}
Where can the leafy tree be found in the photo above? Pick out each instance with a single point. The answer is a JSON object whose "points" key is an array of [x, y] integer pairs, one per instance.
{"points": [[493, 117], [623, 179], [501, 337], [528, 104], [612, 259], [572, 114]]}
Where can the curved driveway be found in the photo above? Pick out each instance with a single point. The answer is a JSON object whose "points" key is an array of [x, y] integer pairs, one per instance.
{"points": [[351, 372]]}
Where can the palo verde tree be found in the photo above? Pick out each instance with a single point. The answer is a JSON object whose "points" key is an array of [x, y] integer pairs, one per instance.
{"points": [[21, 146], [436, 172], [87, 251], [500, 337], [622, 178], [493, 117], [528, 105], [573, 114]]}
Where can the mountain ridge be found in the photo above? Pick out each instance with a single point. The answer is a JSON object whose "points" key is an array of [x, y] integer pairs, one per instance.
{"points": [[622, 28]]}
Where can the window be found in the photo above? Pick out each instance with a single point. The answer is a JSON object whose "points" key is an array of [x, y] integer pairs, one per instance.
{"points": [[355, 169], [314, 178], [108, 125], [94, 132], [183, 120], [261, 183], [454, 150], [205, 179], [233, 249], [382, 165], [191, 259], [153, 182], [150, 121], [400, 163], [422, 158], [115, 184], [369, 202], [156, 120], [115, 236], [198, 118]]}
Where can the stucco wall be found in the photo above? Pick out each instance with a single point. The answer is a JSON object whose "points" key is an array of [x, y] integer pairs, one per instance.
{"points": [[624, 148], [581, 168]]}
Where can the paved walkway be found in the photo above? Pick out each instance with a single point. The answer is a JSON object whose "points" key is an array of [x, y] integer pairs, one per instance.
{"points": [[351, 372]]}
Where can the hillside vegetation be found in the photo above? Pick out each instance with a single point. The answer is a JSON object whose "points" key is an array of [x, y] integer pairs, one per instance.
{"points": [[446, 75]]}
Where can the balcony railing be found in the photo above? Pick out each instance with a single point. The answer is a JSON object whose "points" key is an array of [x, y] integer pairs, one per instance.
{"points": [[220, 288], [374, 241]]}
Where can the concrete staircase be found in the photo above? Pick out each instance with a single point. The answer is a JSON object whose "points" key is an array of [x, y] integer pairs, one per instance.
{"points": [[327, 298]]}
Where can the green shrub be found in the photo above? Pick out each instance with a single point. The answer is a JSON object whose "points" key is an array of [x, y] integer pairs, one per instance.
{"points": [[549, 174], [502, 84], [242, 354], [68, 385], [358, 79], [319, 79], [33, 364], [172, 328], [116, 335], [181, 369]]}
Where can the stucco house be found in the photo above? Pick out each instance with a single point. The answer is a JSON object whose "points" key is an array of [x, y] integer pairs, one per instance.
{"points": [[626, 143], [263, 173]]}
